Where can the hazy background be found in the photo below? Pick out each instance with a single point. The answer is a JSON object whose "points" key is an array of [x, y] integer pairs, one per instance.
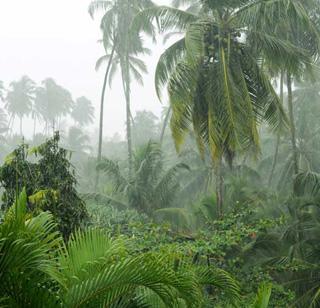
{"points": [[58, 39]]}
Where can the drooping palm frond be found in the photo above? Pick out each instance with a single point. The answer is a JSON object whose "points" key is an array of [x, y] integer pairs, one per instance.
{"points": [[307, 184], [86, 254], [149, 187], [220, 280], [128, 275], [166, 64], [26, 260], [112, 168], [263, 296], [165, 17], [99, 5]]}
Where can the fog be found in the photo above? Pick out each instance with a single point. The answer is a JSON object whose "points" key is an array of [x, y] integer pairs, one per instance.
{"points": [[208, 199], [58, 39]]}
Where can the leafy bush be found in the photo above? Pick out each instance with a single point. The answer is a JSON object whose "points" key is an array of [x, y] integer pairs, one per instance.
{"points": [[49, 180]]}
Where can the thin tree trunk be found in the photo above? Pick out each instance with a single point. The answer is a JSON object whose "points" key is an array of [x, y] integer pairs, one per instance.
{"points": [[219, 187], [99, 155], [276, 154], [20, 126], [129, 133], [10, 124], [126, 89], [292, 125], [34, 126], [165, 124]]}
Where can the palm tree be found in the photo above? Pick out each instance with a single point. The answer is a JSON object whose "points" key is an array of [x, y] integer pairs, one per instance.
{"points": [[3, 122], [76, 141], [149, 187], [121, 49], [52, 102], [3, 116], [216, 80], [145, 127], [37, 268], [19, 99], [297, 23], [83, 111]]}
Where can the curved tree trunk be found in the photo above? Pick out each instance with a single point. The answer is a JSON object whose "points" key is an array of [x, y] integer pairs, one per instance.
{"points": [[34, 126], [276, 154], [21, 126], [99, 155], [292, 125], [165, 124], [10, 124], [126, 89]]}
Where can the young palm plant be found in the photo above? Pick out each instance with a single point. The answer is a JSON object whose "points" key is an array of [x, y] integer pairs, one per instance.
{"points": [[149, 187]]}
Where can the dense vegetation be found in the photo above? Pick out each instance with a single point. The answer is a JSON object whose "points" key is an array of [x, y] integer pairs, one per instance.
{"points": [[220, 210]]}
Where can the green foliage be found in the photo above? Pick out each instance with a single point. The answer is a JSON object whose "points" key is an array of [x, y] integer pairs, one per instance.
{"points": [[49, 181], [52, 101], [149, 187], [37, 268]]}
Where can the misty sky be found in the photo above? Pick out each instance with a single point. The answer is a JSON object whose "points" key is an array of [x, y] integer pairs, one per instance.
{"points": [[58, 39]]}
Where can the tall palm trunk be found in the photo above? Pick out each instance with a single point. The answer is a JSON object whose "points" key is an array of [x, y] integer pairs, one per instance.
{"points": [[276, 154], [126, 88], [101, 112], [219, 187], [10, 124], [34, 126], [21, 126], [292, 125], [165, 124]]}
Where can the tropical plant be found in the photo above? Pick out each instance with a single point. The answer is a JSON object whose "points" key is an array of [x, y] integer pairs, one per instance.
{"points": [[295, 22], [52, 102], [37, 268], [144, 127], [121, 49], [19, 99], [83, 111], [149, 187], [215, 80], [49, 182], [3, 121], [77, 141]]}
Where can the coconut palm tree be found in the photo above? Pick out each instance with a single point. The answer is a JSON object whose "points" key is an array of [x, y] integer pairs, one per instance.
{"points": [[37, 269], [149, 187], [216, 79], [144, 128], [76, 141], [3, 122], [19, 99], [121, 49], [83, 111], [3, 116], [52, 102], [295, 22]]}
